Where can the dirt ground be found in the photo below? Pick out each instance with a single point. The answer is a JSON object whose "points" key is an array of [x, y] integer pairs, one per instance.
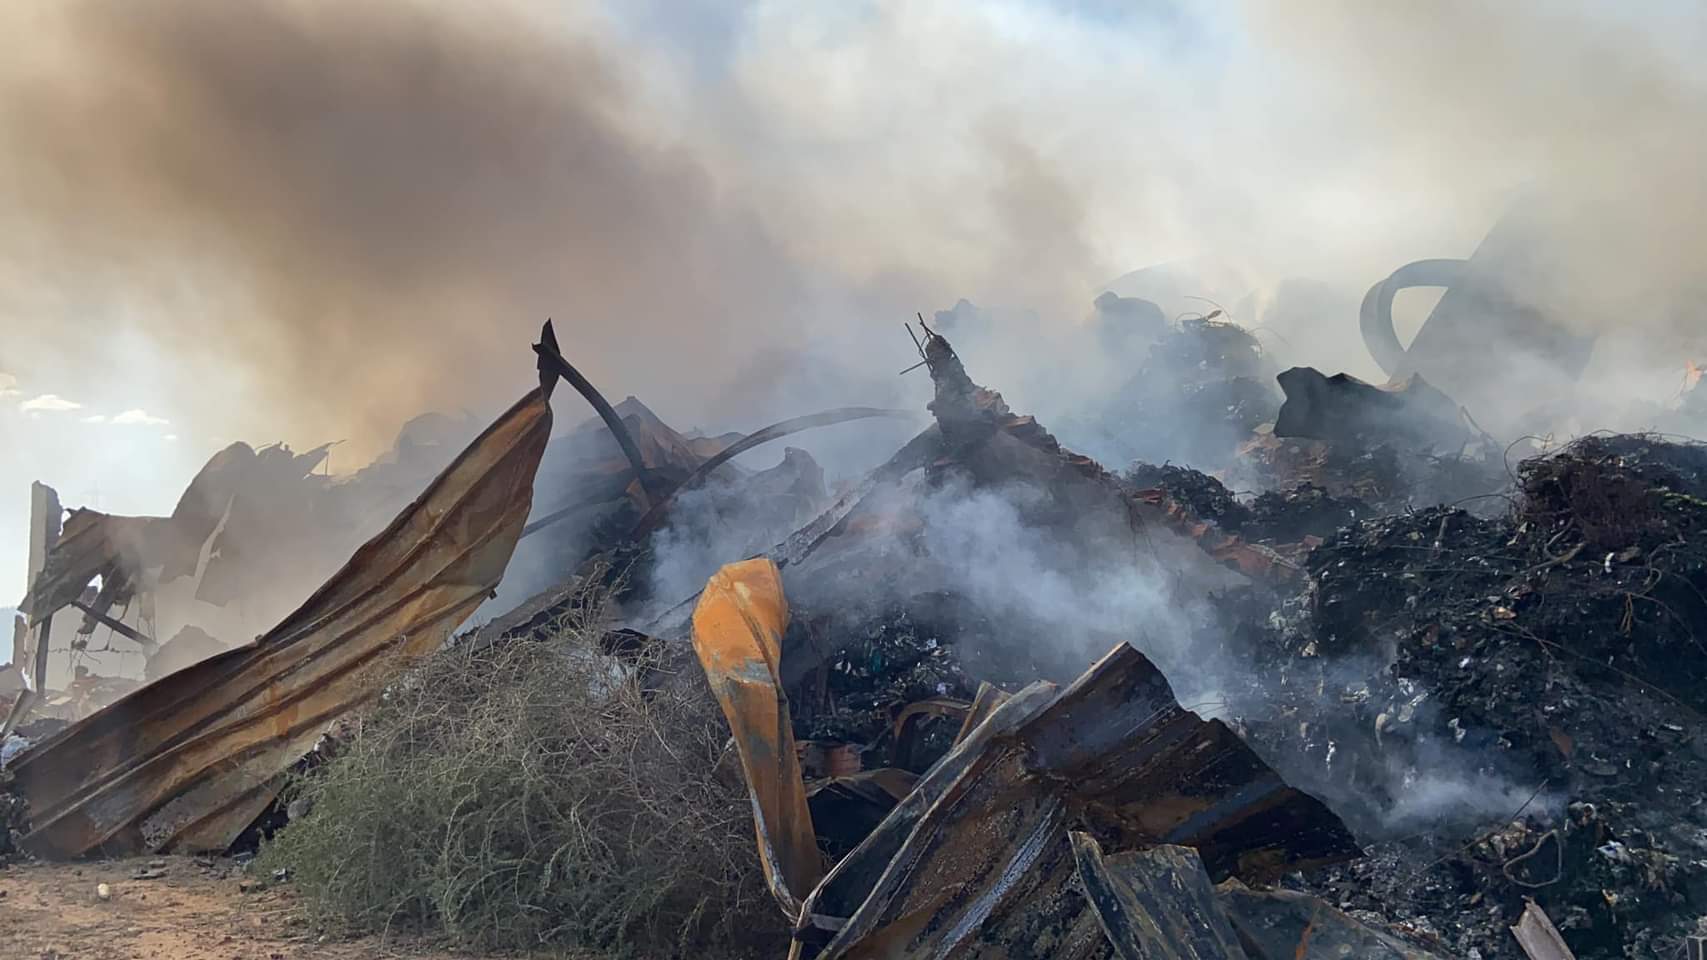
{"points": [[197, 910]]}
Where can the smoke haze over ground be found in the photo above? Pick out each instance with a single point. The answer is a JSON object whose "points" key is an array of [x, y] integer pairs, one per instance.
{"points": [[309, 221]]}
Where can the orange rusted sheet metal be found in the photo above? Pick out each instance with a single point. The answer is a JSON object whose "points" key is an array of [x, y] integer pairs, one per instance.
{"points": [[186, 763], [737, 633]]}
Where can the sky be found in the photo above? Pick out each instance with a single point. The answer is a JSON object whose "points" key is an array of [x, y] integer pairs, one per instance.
{"points": [[303, 221]]}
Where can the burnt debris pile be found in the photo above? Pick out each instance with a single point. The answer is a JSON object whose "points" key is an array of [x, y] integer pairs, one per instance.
{"points": [[1323, 670], [1510, 707]]}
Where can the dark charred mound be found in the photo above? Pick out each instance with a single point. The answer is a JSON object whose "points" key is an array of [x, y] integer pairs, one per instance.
{"points": [[1274, 516], [1510, 708]]}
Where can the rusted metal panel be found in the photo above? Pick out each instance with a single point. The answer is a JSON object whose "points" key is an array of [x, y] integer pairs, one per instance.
{"points": [[1538, 937], [737, 633], [1114, 751], [1145, 770], [985, 868], [851, 882], [1155, 904], [184, 763]]}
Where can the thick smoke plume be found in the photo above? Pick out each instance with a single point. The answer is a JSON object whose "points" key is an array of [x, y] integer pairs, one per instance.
{"points": [[359, 213], [333, 217]]}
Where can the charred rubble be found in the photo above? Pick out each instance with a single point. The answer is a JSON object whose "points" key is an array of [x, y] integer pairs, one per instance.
{"points": [[1354, 689], [1549, 661]]}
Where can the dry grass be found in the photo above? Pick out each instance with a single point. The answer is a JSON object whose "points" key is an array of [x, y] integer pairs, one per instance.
{"points": [[537, 795]]}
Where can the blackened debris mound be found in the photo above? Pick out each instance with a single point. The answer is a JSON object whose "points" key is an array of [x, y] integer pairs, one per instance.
{"points": [[1512, 706], [1206, 496], [1306, 510], [1274, 516]]}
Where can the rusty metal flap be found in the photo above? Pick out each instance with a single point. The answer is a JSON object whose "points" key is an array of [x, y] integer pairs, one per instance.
{"points": [[186, 762], [1115, 751], [737, 633], [1145, 770], [1155, 904]]}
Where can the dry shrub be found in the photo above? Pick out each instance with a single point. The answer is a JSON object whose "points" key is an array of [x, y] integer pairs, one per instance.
{"points": [[536, 794]]}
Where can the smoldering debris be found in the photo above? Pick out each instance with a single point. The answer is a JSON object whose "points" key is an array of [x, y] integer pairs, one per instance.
{"points": [[1394, 701]]}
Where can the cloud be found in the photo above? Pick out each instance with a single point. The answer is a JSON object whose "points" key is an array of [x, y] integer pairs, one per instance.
{"points": [[49, 403], [170, 438], [139, 418], [8, 385], [95, 418]]}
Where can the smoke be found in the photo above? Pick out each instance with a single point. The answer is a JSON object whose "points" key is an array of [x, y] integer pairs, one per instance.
{"points": [[1581, 106], [335, 217], [363, 213], [1059, 601]]}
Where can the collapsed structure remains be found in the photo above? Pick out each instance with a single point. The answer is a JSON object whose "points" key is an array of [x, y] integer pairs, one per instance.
{"points": [[1404, 703]]}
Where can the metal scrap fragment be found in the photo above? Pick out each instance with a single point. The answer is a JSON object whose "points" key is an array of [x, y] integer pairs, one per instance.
{"points": [[1155, 904], [186, 763], [1538, 937], [737, 633]]}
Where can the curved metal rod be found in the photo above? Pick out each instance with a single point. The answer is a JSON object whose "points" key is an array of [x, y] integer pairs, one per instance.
{"points": [[773, 432], [550, 355], [1375, 316]]}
